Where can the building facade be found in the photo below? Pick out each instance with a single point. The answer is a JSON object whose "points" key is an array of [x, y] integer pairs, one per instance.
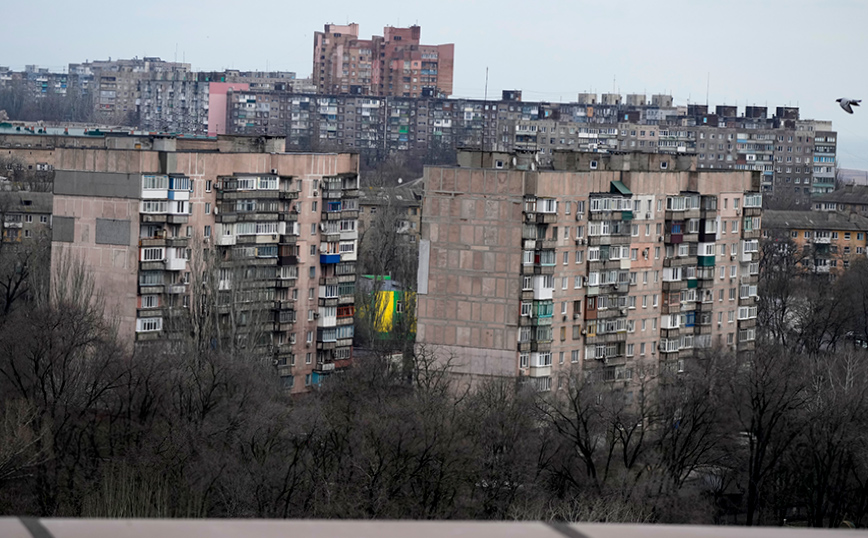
{"points": [[795, 157], [608, 264], [262, 240], [826, 241], [394, 64]]}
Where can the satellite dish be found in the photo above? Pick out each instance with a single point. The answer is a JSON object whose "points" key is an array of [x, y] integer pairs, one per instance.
{"points": [[400, 181]]}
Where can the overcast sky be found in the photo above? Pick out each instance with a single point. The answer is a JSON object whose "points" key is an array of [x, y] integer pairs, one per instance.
{"points": [[764, 52]]}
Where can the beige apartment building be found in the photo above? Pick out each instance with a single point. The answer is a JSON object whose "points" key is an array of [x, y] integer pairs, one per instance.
{"points": [[612, 264], [163, 223]]}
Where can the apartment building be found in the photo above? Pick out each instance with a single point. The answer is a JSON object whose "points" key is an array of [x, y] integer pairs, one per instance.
{"points": [[405, 203], [25, 215], [165, 223], [827, 241], [794, 156], [394, 64], [849, 199], [606, 263]]}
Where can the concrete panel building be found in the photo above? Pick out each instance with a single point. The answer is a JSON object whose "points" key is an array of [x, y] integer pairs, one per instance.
{"points": [[394, 64], [608, 264], [271, 236]]}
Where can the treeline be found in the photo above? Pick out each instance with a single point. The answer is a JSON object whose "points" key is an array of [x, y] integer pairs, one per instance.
{"points": [[91, 428], [73, 106]]}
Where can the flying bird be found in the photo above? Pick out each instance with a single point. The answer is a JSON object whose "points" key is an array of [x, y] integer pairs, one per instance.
{"points": [[845, 104]]}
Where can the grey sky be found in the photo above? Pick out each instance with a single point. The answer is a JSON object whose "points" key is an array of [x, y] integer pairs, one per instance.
{"points": [[774, 52]]}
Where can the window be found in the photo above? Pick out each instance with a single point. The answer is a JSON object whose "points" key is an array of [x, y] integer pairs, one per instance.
{"points": [[150, 301], [152, 254], [208, 185], [144, 325], [207, 208], [574, 356], [44, 219], [207, 232]]}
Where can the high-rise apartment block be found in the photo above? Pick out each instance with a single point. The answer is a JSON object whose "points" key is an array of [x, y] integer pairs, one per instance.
{"points": [[258, 243], [605, 263], [795, 156], [394, 64]]}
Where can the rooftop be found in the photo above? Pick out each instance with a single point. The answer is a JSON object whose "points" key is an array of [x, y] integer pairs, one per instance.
{"points": [[851, 194], [814, 220]]}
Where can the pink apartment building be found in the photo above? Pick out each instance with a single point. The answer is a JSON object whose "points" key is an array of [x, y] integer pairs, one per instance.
{"points": [[273, 234]]}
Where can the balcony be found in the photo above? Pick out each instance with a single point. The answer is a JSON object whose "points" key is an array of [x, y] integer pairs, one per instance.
{"points": [[324, 367], [328, 301], [329, 258], [287, 260], [683, 261], [541, 346], [157, 265], [609, 313], [674, 285], [545, 218], [606, 338], [599, 240], [539, 371], [610, 215], [330, 237], [746, 346]]}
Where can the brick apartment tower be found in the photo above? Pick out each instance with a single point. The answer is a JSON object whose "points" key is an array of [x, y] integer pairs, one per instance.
{"points": [[279, 230], [605, 263], [394, 64]]}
